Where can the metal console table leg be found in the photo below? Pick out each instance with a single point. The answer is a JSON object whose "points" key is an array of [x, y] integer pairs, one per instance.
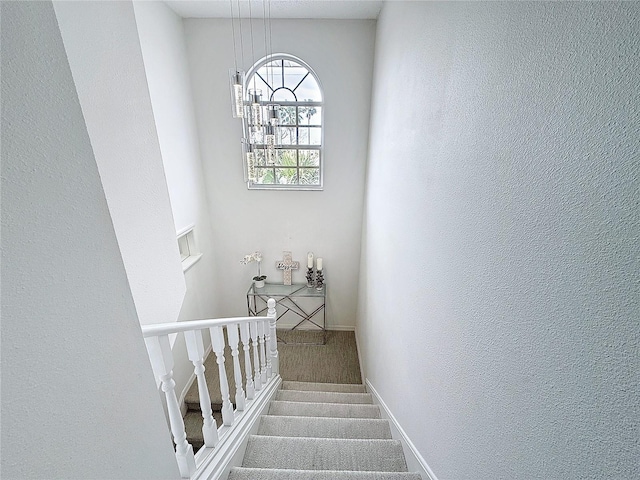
{"points": [[288, 297]]}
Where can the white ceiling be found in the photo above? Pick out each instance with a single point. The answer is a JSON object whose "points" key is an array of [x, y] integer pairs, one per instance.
{"points": [[342, 9]]}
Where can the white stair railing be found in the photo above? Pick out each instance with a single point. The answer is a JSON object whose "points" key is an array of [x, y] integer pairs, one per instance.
{"points": [[259, 331]]}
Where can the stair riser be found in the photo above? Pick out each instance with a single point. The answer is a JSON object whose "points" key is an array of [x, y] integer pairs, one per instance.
{"points": [[324, 427], [239, 473], [324, 397], [324, 454], [324, 387], [300, 409]]}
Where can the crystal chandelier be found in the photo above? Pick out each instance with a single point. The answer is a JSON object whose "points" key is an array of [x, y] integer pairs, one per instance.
{"points": [[260, 118]]}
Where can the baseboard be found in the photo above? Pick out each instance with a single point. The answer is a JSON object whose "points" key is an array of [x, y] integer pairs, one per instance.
{"points": [[216, 463], [362, 372], [311, 328], [415, 461], [342, 328]]}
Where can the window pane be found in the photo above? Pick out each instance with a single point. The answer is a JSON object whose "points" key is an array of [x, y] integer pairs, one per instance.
{"points": [[287, 176], [309, 176], [293, 74], [183, 246], [309, 90], [283, 95], [264, 176], [310, 115], [271, 73], [303, 136], [286, 158], [288, 136], [315, 135], [287, 115], [309, 158]]}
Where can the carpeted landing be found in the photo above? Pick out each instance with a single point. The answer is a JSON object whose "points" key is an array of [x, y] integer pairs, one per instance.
{"points": [[300, 360], [323, 431]]}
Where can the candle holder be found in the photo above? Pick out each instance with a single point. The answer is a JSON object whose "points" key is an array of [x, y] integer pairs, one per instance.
{"points": [[309, 277], [319, 280]]}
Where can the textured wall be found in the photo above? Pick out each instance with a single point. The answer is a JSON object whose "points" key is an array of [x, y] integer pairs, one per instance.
{"points": [[103, 48], [326, 222], [498, 313], [165, 60], [71, 407]]}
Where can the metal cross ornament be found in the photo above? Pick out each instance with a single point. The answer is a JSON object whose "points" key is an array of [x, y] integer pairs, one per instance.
{"points": [[286, 265]]}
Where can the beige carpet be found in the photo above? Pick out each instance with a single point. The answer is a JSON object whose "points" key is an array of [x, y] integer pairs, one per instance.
{"points": [[335, 362]]}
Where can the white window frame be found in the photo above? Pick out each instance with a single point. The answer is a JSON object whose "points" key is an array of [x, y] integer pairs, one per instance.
{"points": [[189, 253], [296, 147]]}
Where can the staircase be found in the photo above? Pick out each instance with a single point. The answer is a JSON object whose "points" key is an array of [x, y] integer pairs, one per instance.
{"points": [[322, 431]]}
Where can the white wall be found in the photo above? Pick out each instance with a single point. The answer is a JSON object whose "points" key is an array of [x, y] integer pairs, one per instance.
{"points": [[327, 222], [167, 71], [101, 41], [498, 312], [71, 407]]}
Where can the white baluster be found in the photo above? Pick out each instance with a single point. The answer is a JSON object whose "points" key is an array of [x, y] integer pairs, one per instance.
{"points": [[263, 356], [195, 349], [217, 342], [257, 382], [273, 346], [244, 336], [232, 336], [267, 342], [162, 363]]}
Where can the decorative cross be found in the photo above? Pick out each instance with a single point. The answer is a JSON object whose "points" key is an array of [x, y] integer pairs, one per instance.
{"points": [[286, 264]]}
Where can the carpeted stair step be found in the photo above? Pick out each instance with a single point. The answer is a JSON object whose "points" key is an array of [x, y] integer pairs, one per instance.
{"points": [[324, 427], [335, 410], [323, 397], [193, 427], [324, 387], [241, 473], [302, 453]]}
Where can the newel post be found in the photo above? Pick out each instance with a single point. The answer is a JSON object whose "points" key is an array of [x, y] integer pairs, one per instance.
{"points": [[162, 363], [273, 341]]}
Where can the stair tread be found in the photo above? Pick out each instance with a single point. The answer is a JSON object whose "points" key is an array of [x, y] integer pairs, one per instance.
{"points": [[313, 409], [243, 473], [323, 397], [324, 387], [304, 453], [324, 427]]}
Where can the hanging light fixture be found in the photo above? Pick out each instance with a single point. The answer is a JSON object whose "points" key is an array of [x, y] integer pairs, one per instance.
{"points": [[255, 102], [271, 132], [237, 93], [260, 120], [250, 160], [236, 75]]}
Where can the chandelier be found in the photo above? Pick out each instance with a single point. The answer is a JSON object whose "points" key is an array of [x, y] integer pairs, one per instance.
{"points": [[260, 117]]}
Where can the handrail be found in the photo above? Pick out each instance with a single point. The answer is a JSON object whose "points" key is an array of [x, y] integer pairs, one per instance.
{"points": [[157, 329], [254, 336]]}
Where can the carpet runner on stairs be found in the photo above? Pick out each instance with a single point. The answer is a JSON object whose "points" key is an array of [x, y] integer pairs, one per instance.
{"points": [[317, 431]]}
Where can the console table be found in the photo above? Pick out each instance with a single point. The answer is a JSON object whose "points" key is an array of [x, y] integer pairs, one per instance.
{"points": [[290, 297]]}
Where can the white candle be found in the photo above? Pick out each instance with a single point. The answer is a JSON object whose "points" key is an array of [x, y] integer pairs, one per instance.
{"points": [[319, 264], [310, 260]]}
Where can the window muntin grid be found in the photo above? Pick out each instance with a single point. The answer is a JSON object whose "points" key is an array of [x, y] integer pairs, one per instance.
{"points": [[290, 83]]}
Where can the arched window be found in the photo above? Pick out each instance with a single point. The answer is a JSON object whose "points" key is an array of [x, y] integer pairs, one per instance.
{"points": [[284, 87]]}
